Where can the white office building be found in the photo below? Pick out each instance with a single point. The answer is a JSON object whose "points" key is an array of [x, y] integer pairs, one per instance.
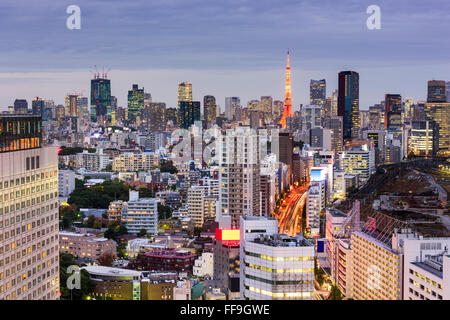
{"points": [[358, 161], [315, 203], [66, 182], [273, 266], [426, 269]]}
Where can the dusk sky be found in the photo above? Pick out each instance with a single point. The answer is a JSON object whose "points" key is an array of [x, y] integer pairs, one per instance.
{"points": [[225, 48]]}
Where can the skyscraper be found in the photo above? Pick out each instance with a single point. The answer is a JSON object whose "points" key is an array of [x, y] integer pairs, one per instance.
{"points": [[209, 110], [312, 116], [38, 106], [327, 107], [335, 125], [287, 111], [440, 113], [71, 105], [188, 113], [348, 103], [239, 169], [83, 108], [393, 111], [153, 117], [184, 92], [20, 106], [284, 152], [100, 97], [436, 91], [448, 91], [231, 105], [318, 93], [277, 109], [135, 102], [334, 103], [28, 221], [266, 107]]}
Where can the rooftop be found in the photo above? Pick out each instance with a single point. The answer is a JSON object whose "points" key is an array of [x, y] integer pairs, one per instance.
{"points": [[336, 213], [75, 234], [257, 218], [282, 240], [431, 265], [110, 271]]}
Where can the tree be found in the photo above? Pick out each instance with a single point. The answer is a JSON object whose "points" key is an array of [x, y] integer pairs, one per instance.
{"points": [[145, 193], [86, 284], [320, 279], [298, 144], [98, 196], [197, 231], [303, 220], [68, 214], [164, 212], [90, 221], [167, 166], [142, 233], [106, 259], [335, 293], [115, 229]]}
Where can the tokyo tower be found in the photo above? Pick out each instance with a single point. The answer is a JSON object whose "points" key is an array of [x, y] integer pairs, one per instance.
{"points": [[287, 111]]}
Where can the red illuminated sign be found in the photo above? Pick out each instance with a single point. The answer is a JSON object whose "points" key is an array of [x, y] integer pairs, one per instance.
{"points": [[228, 234]]}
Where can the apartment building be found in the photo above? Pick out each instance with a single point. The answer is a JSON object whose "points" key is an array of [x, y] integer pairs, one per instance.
{"points": [[85, 245], [66, 182], [204, 265], [377, 266], [200, 205], [92, 161], [239, 169], [115, 210], [133, 162], [138, 214]]}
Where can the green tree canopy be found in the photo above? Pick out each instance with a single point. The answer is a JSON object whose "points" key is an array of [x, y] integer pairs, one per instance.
{"points": [[142, 233], [164, 212], [86, 284], [167, 166], [98, 196], [335, 293]]}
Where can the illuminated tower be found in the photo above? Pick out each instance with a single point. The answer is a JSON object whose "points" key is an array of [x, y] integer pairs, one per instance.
{"points": [[287, 112]]}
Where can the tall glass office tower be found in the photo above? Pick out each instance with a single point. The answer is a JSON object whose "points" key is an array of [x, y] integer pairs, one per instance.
{"points": [[100, 98], [135, 102], [348, 103]]}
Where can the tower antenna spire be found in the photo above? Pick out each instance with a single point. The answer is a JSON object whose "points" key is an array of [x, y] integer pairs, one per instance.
{"points": [[287, 111]]}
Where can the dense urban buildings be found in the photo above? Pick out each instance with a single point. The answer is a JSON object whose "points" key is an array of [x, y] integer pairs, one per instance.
{"points": [[266, 198]]}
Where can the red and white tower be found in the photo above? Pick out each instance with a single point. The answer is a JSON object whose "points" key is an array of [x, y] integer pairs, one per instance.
{"points": [[287, 111]]}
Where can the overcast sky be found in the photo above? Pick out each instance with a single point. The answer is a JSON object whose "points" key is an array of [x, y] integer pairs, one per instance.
{"points": [[224, 47]]}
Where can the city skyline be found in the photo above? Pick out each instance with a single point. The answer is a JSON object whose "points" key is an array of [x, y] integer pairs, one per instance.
{"points": [[217, 60]]}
